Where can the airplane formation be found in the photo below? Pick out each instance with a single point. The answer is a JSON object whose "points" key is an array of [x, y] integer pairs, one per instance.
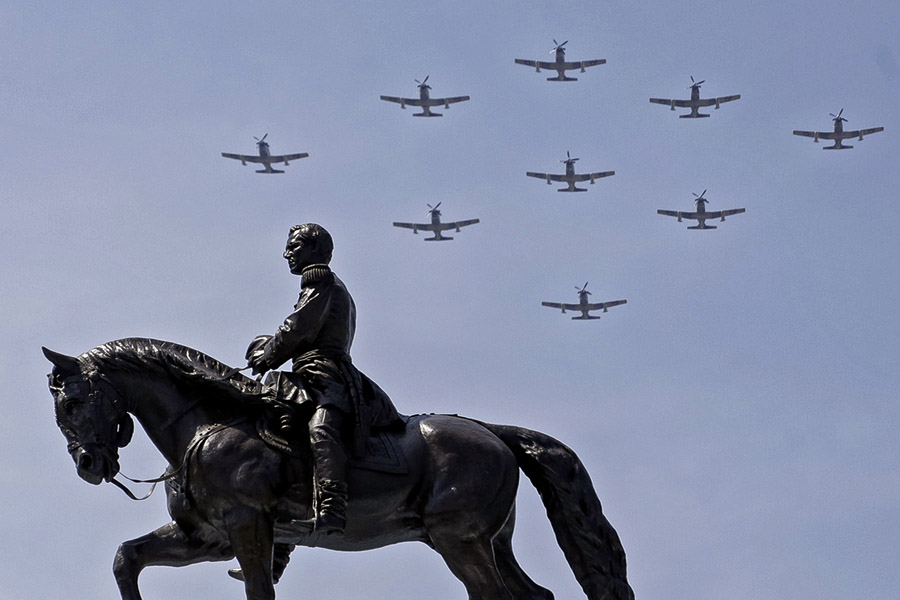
{"points": [[570, 177]]}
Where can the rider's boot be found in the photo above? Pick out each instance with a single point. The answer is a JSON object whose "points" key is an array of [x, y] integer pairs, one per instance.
{"points": [[281, 556], [330, 461]]}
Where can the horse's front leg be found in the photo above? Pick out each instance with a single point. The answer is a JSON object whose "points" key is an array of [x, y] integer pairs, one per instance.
{"points": [[168, 546], [252, 536]]}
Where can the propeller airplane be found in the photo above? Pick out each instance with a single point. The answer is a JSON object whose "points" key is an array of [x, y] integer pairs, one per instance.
{"points": [[425, 100], [696, 102], [583, 305], [265, 157], [571, 178], [560, 65], [701, 215], [838, 135], [436, 226]]}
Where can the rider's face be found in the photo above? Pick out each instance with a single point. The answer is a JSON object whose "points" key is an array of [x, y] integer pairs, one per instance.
{"points": [[299, 254]]}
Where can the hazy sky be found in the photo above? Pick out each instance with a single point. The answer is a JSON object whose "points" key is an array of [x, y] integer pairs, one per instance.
{"points": [[739, 416]]}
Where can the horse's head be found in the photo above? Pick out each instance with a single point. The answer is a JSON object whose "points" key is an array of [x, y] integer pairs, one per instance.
{"points": [[90, 415]]}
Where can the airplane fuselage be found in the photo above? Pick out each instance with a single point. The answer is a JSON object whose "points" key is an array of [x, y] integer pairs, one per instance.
{"points": [[264, 149], [695, 102], [570, 174], [560, 67], [425, 94]]}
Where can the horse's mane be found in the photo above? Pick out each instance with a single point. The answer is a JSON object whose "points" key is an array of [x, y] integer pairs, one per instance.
{"points": [[183, 364]]}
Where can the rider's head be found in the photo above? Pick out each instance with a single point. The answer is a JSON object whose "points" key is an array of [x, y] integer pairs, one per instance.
{"points": [[308, 244]]}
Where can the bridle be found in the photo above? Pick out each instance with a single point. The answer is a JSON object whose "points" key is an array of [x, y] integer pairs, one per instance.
{"points": [[118, 420]]}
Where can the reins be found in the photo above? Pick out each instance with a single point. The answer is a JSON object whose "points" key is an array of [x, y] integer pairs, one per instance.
{"points": [[170, 474]]}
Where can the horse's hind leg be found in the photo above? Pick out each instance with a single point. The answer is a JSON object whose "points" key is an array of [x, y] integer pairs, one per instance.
{"points": [[251, 534], [167, 546], [518, 582], [472, 561]]}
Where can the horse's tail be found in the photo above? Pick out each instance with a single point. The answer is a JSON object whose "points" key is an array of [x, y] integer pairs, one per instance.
{"points": [[588, 541]]}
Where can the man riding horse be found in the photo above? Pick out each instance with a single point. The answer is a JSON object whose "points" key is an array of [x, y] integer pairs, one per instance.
{"points": [[317, 338]]}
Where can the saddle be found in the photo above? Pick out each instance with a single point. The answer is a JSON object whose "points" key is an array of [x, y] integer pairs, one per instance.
{"points": [[381, 451]]}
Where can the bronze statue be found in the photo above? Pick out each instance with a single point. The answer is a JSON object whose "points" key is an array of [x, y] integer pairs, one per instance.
{"points": [[317, 338], [237, 487]]}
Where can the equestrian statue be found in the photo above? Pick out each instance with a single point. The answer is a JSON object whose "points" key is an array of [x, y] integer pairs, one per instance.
{"points": [[319, 456]]}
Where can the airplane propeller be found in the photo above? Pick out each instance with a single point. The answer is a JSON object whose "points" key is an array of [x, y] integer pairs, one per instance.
{"points": [[568, 158], [261, 140], [558, 46], [700, 198], [695, 83], [422, 83], [433, 208], [583, 289], [838, 116]]}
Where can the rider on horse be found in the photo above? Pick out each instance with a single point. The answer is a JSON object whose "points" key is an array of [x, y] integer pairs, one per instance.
{"points": [[317, 337]]}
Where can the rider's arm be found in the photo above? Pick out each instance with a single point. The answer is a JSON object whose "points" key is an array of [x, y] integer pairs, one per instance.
{"points": [[298, 332]]}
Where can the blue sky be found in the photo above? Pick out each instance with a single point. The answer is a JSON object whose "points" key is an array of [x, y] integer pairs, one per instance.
{"points": [[738, 416]]}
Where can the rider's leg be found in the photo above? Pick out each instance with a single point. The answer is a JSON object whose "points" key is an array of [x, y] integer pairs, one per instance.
{"points": [[330, 460]]}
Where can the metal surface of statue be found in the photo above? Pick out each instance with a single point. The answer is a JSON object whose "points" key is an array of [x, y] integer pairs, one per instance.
{"points": [[243, 485]]}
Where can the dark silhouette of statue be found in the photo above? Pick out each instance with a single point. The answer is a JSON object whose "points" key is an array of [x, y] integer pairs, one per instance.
{"points": [[336, 467], [316, 337]]}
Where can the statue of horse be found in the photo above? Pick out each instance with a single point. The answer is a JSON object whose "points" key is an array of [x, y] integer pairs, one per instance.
{"points": [[233, 495]]}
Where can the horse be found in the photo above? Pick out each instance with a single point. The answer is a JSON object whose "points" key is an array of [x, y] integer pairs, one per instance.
{"points": [[233, 495]]}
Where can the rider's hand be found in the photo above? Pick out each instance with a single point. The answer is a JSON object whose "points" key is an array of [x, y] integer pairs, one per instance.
{"points": [[256, 360]]}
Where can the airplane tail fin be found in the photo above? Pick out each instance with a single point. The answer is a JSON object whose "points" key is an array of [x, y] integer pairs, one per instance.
{"points": [[577, 189], [270, 171], [438, 239], [428, 114], [841, 147], [562, 78], [702, 227], [585, 318], [690, 116]]}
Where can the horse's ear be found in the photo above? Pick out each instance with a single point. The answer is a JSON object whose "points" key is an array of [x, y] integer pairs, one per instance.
{"points": [[65, 365]]}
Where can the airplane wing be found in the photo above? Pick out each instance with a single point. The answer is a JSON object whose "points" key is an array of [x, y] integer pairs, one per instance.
{"points": [[445, 101], [540, 64], [811, 134], [411, 225], [605, 305], [859, 132], [670, 102], [247, 157], [285, 157], [571, 66], [731, 211], [562, 306], [458, 224], [683, 215], [589, 176], [549, 176], [722, 99], [403, 101]]}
